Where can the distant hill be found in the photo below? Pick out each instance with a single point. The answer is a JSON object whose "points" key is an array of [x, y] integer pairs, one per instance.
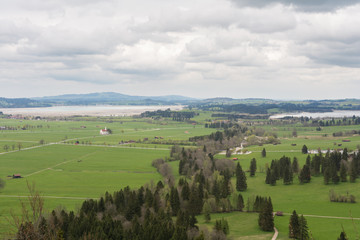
{"points": [[21, 103], [113, 98]]}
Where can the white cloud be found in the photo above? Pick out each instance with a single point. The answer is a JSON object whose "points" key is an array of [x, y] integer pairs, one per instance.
{"points": [[236, 48]]}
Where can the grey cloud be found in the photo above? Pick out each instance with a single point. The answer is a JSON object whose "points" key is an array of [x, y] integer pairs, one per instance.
{"points": [[332, 53], [302, 5], [11, 33]]}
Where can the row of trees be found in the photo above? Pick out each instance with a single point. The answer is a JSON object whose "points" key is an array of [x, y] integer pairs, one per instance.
{"points": [[175, 115], [13, 147], [145, 213]]}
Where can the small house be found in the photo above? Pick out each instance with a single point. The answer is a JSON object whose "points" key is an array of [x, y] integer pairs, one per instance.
{"points": [[16, 176], [104, 131]]}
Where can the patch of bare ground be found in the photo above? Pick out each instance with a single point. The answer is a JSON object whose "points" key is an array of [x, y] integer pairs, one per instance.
{"points": [[255, 237]]}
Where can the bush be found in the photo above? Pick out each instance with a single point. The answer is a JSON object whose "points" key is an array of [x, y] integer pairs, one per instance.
{"points": [[2, 183]]}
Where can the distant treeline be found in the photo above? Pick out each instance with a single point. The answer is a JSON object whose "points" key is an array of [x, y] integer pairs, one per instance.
{"points": [[175, 115], [316, 106], [21, 103], [239, 116]]}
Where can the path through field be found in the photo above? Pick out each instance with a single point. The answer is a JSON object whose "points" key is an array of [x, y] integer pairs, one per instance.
{"points": [[72, 160], [329, 217], [276, 233]]}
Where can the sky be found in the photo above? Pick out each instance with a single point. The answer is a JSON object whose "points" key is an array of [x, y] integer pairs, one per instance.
{"points": [[278, 49]]}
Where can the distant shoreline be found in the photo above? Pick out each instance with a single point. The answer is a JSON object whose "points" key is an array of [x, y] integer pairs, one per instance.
{"points": [[98, 110], [333, 114]]}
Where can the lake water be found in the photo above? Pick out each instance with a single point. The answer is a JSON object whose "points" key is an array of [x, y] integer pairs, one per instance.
{"points": [[334, 114], [99, 110]]}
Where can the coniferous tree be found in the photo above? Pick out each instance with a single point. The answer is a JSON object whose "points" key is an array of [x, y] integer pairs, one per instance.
{"points": [[195, 202], [266, 218], [273, 178], [294, 226], [288, 175], [268, 176], [263, 153], [185, 191], [304, 149], [308, 161], [305, 175], [303, 233], [252, 167], [295, 165], [327, 176], [241, 184], [343, 175], [334, 175], [240, 202], [343, 236], [174, 201], [345, 155], [353, 171]]}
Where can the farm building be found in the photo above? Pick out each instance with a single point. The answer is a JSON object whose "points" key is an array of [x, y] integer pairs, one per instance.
{"points": [[104, 131], [16, 176]]}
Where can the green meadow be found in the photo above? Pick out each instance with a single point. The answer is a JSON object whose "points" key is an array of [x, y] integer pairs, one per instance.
{"points": [[66, 173]]}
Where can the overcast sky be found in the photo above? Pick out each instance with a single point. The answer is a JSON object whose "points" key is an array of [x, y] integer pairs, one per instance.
{"points": [[279, 49]]}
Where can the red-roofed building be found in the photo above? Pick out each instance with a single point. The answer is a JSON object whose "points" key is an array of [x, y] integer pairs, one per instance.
{"points": [[104, 131]]}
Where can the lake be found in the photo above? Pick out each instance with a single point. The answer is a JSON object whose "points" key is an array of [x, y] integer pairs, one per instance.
{"points": [[334, 114], [98, 110]]}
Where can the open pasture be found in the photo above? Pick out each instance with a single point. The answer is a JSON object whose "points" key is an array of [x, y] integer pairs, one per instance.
{"points": [[74, 173], [66, 173]]}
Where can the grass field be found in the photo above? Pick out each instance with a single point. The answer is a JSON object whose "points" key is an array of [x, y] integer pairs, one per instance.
{"points": [[66, 173]]}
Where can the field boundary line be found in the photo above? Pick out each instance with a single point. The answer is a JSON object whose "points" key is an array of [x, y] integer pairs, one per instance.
{"points": [[71, 160], [114, 146], [57, 197], [28, 148], [329, 217]]}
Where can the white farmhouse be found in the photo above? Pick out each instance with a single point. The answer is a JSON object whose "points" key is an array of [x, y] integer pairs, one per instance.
{"points": [[104, 131]]}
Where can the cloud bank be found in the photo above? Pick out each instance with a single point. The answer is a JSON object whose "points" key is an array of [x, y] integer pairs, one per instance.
{"points": [[237, 48]]}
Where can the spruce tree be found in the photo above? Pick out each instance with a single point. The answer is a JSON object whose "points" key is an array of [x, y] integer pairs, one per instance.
{"points": [[241, 184], [304, 233], [273, 178], [288, 175], [294, 226], [353, 171], [343, 175], [185, 191], [240, 202], [252, 167], [326, 176], [304, 149], [334, 175], [343, 236], [268, 176], [263, 153], [305, 175], [295, 165], [174, 201], [266, 218], [345, 154], [308, 160]]}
